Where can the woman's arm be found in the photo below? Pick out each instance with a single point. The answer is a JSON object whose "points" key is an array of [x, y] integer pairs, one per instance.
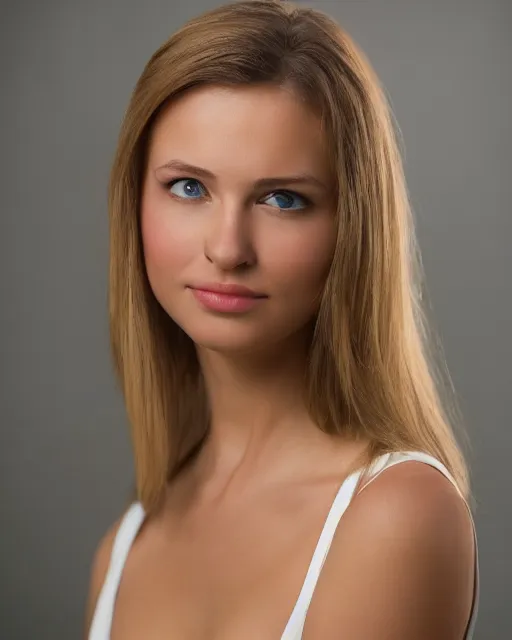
{"points": [[401, 566], [99, 569]]}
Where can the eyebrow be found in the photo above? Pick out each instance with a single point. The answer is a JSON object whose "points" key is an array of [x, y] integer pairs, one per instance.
{"points": [[303, 178]]}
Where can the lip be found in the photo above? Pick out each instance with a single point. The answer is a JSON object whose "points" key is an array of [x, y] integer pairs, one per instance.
{"points": [[226, 298], [228, 289]]}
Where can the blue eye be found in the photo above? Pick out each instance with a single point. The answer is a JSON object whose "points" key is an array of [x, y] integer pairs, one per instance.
{"points": [[285, 199], [192, 189], [186, 188]]}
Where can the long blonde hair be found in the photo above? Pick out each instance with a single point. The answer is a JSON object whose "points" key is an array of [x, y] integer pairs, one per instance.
{"points": [[369, 372]]}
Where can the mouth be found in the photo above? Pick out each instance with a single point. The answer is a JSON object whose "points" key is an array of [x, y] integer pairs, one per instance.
{"points": [[228, 289], [226, 298]]}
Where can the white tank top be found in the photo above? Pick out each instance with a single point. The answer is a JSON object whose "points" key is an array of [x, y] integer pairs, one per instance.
{"points": [[132, 521]]}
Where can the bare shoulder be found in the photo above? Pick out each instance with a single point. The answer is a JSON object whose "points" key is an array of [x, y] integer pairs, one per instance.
{"points": [[415, 498], [406, 546], [99, 568]]}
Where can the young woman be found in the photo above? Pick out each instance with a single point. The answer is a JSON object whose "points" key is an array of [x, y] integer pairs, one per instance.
{"points": [[296, 475]]}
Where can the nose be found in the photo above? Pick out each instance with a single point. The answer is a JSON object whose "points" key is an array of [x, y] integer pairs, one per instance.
{"points": [[228, 243]]}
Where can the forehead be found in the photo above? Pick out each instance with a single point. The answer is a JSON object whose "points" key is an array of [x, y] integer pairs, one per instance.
{"points": [[258, 128]]}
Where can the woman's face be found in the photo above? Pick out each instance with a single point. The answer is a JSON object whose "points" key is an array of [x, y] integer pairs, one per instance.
{"points": [[237, 191]]}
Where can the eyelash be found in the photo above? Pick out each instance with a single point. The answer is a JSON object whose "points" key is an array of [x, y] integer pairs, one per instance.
{"points": [[307, 202]]}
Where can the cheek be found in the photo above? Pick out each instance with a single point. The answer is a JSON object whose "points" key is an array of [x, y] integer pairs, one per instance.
{"points": [[168, 247], [302, 260]]}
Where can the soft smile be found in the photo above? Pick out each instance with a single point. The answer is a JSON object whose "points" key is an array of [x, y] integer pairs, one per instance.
{"points": [[226, 298]]}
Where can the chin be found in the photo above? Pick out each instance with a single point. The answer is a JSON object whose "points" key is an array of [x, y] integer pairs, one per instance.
{"points": [[250, 334], [239, 338], [229, 341], [230, 335]]}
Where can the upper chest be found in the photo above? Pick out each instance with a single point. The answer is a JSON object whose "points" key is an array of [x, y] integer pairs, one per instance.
{"points": [[232, 574]]}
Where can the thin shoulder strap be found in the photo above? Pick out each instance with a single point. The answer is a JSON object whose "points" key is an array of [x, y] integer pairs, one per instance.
{"points": [[294, 628], [126, 534], [345, 493]]}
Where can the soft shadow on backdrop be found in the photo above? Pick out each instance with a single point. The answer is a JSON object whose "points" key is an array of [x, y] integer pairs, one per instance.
{"points": [[67, 70]]}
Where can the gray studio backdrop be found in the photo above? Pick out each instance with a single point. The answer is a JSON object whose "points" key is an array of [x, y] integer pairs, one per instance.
{"points": [[67, 70]]}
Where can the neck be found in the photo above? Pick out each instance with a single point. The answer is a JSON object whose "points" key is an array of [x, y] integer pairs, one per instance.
{"points": [[257, 406]]}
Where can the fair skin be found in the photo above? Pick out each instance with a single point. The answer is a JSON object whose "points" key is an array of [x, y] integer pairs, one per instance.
{"points": [[226, 556]]}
